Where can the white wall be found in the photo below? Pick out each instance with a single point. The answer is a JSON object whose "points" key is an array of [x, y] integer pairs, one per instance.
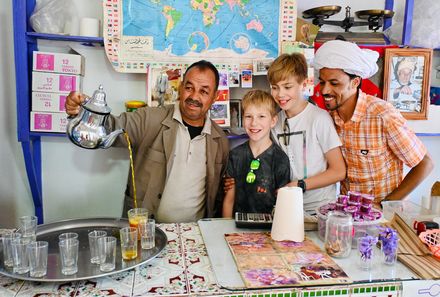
{"points": [[84, 183]]}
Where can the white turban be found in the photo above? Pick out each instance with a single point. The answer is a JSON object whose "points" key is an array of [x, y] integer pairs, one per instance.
{"points": [[338, 54]]}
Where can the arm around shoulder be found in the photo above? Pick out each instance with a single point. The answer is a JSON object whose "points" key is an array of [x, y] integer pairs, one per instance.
{"points": [[228, 203]]}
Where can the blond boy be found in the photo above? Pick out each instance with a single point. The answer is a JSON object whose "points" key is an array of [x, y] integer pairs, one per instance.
{"points": [[258, 166], [306, 133]]}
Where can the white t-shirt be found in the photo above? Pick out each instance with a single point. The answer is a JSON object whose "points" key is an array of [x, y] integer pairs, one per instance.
{"points": [[312, 134]]}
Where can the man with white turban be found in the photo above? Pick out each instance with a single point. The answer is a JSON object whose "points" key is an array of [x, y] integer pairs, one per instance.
{"points": [[376, 141]]}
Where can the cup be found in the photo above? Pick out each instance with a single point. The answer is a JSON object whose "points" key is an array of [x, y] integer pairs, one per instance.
{"points": [[147, 230], [93, 244], [129, 239], [28, 228], [8, 259], [19, 255], [107, 253], [366, 251], [136, 214], [67, 235], [389, 251], [69, 256], [37, 252]]}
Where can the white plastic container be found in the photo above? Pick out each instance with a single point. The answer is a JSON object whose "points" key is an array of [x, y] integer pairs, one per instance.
{"points": [[409, 211]]}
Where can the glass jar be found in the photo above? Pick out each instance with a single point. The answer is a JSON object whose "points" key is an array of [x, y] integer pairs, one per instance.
{"points": [[133, 105], [338, 234]]}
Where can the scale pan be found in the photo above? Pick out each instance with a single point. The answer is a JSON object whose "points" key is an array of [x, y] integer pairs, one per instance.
{"points": [[365, 14], [323, 11]]}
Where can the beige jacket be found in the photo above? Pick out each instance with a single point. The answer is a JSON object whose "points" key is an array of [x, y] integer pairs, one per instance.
{"points": [[152, 132]]}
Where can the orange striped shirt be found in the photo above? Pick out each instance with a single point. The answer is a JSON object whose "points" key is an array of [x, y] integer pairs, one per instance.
{"points": [[376, 142]]}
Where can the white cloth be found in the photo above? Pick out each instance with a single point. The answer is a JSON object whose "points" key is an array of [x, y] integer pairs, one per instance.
{"points": [[338, 54], [312, 135], [183, 198]]}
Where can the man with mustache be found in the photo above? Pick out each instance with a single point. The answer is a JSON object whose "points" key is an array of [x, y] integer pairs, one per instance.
{"points": [[376, 141], [179, 154]]}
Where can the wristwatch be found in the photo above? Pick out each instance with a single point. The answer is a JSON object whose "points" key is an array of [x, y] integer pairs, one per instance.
{"points": [[302, 184]]}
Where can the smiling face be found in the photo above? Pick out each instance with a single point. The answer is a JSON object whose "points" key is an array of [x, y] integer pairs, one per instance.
{"points": [[288, 93], [196, 94], [257, 121], [337, 87]]}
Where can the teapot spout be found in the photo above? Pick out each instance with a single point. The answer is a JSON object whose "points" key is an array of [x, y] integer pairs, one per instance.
{"points": [[110, 138]]}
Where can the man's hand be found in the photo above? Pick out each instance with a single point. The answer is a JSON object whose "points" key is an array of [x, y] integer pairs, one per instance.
{"points": [[406, 90], [73, 102], [228, 183]]}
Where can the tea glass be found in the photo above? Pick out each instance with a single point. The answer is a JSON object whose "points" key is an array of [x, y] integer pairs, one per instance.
{"points": [[129, 241], [37, 252]]}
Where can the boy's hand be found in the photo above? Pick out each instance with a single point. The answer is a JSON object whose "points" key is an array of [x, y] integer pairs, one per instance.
{"points": [[228, 183]]}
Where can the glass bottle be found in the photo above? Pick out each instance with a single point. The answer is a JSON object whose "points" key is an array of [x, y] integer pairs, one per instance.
{"points": [[338, 234]]}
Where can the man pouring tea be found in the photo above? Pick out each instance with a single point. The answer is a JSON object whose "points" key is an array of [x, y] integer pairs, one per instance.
{"points": [[179, 154]]}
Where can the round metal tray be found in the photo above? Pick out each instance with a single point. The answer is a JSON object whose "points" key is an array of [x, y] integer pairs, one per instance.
{"points": [[49, 232]]}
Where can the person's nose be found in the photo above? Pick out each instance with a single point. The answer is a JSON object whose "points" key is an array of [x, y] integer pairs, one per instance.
{"points": [[324, 88]]}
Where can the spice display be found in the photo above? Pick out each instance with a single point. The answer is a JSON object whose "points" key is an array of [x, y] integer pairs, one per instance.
{"points": [[366, 250], [389, 239]]}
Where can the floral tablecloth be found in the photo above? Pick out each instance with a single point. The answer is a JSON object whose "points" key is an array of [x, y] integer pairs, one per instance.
{"points": [[182, 269]]}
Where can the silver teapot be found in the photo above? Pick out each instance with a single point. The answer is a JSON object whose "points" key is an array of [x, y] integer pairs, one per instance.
{"points": [[87, 128]]}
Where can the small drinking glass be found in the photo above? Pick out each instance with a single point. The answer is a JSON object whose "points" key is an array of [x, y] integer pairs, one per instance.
{"points": [[20, 255], [37, 252], [107, 253], [67, 235], [28, 228], [8, 259], [366, 247], [136, 214], [389, 251], [147, 230], [129, 240], [93, 244], [69, 256]]}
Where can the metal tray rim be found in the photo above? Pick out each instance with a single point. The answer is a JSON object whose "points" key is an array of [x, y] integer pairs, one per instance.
{"points": [[67, 278]]}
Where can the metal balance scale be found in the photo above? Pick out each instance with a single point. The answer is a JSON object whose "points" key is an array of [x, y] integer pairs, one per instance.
{"points": [[373, 18]]}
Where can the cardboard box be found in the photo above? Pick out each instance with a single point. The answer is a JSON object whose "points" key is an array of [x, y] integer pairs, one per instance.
{"points": [[58, 63], [52, 102], [55, 83], [48, 122]]}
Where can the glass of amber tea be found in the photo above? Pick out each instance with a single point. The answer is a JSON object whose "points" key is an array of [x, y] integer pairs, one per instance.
{"points": [[129, 242], [135, 215]]}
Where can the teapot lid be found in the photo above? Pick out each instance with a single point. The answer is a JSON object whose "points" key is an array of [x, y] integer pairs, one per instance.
{"points": [[97, 102]]}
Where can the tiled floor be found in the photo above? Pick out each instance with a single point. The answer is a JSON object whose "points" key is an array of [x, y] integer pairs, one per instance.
{"points": [[182, 269]]}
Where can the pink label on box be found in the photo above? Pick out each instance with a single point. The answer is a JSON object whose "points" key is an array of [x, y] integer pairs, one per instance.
{"points": [[62, 102], [43, 121], [67, 83], [45, 62]]}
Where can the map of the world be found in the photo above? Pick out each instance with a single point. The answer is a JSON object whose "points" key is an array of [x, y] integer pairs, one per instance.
{"points": [[205, 28]]}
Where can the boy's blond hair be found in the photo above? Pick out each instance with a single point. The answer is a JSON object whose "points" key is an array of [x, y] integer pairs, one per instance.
{"points": [[288, 65], [260, 98]]}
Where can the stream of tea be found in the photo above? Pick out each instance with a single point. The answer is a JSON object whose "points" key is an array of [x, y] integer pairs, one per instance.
{"points": [[132, 168]]}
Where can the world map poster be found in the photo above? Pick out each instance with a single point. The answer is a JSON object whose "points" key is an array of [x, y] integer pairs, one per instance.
{"points": [[182, 31], [263, 262]]}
